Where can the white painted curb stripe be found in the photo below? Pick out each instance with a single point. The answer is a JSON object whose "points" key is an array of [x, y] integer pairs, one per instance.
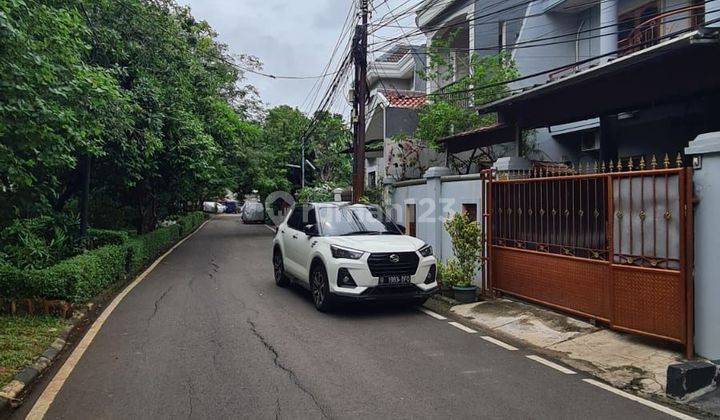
{"points": [[548, 363], [432, 314], [506, 346], [462, 327], [48, 396], [642, 401]]}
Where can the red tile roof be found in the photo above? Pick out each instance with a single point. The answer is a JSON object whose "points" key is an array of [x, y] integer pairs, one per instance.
{"points": [[400, 99]]}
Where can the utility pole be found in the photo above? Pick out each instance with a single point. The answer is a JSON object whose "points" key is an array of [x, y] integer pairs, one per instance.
{"points": [[302, 165], [359, 102]]}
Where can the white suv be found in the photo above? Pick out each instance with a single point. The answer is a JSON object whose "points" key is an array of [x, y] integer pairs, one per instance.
{"points": [[341, 251]]}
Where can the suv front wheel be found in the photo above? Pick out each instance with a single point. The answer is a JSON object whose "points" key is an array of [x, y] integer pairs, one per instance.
{"points": [[281, 278], [320, 288]]}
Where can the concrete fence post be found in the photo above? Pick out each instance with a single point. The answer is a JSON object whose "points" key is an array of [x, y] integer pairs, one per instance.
{"points": [[434, 191], [705, 150]]}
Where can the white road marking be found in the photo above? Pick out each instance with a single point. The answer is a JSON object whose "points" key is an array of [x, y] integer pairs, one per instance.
{"points": [[642, 401], [548, 363], [432, 314], [462, 327], [48, 396], [497, 342], [271, 228]]}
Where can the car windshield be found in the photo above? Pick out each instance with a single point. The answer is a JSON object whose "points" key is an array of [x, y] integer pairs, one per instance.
{"points": [[356, 220]]}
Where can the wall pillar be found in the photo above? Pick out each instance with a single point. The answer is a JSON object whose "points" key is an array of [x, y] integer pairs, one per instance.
{"points": [[712, 12], [508, 167], [707, 243], [608, 29], [434, 190], [608, 133]]}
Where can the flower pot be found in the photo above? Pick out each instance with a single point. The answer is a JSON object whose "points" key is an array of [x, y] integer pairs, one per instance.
{"points": [[465, 294]]}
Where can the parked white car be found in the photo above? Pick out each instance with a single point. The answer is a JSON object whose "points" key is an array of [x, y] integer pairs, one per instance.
{"points": [[352, 252], [213, 207]]}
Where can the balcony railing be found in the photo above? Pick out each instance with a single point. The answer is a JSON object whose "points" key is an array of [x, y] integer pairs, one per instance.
{"points": [[646, 34]]}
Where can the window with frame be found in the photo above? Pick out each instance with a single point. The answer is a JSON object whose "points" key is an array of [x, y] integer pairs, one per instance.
{"points": [[410, 218], [470, 210]]}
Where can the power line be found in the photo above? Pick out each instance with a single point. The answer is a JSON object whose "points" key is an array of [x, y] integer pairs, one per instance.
{"points": [[535, 42], [575, 64]]}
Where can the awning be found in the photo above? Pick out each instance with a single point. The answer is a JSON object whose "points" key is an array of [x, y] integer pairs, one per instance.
{"points": [[673, 71], [479, 137]]}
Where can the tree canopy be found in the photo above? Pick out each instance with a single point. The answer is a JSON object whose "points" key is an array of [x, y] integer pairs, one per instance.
{"points": [[146, 95]]}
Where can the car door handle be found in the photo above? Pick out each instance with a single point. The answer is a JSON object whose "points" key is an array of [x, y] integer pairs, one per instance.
{"points": [[282, 231], [294, 236]]}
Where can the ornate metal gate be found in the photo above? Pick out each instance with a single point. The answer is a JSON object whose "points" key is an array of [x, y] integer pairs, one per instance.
{"points": [[611, 243]]}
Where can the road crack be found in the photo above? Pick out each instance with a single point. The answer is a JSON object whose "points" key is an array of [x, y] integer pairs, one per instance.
{"points": [[291, 374], [158, 301], [190, 393]]}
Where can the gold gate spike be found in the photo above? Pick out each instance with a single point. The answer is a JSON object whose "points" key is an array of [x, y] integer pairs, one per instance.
{"points": [[679, 160], [619, 165], [642, 163], [666, 161], [595, 167], [611, 166], [631, 164], [653, 162], [602, 166]]}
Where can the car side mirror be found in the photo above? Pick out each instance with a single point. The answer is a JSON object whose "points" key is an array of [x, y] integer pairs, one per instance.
{"points": [[311, 230]]}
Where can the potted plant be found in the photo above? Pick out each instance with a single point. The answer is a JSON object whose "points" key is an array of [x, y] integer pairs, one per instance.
{"points": [[467, 246], [444, 281]]}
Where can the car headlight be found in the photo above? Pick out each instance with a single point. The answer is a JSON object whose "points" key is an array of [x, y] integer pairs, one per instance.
{"points": [[350, 254], [426, 251]]}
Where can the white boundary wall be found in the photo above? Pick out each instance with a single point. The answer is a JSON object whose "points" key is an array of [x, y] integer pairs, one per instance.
{"points": [[436, 197]]}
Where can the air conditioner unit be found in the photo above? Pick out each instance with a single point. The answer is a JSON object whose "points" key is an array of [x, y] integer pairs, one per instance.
{"points": [[590, 141]]}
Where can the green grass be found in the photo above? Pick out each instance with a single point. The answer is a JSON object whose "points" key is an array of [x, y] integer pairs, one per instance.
{"points": [[23, 339]]}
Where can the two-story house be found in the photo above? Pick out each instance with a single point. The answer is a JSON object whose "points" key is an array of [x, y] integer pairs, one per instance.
{"points": [[397, 90], [552, 40]]}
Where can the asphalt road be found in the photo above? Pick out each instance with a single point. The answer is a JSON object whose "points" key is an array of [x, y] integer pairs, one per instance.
{"points": [[209, 335]]}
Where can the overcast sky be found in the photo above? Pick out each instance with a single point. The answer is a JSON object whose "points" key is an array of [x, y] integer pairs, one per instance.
{"points": [[290, 37]]}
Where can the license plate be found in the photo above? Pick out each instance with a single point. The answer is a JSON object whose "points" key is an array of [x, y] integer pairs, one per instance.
{"points": [[394, 280]]}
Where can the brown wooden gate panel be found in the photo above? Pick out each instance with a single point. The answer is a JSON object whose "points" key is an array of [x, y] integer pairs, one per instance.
{"points": [[605, 244], [581, 286], [647, 301]]}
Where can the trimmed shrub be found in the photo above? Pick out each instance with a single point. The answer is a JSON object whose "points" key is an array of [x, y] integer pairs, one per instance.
{"points": [[102, 237], [77, 279], [190, 221], [85, 275], [82, 277]]}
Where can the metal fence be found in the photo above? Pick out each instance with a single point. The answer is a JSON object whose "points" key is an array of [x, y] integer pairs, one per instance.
{"points": [[609, 241]]}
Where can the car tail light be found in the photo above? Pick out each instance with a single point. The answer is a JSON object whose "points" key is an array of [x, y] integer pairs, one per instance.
{"points": [[430, 279]]}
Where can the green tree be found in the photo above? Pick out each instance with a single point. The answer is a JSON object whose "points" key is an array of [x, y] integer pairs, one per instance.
{"points": [[451, 109]]}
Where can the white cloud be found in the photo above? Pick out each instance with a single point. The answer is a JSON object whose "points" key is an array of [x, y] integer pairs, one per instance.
{"points": [[291, 37]]}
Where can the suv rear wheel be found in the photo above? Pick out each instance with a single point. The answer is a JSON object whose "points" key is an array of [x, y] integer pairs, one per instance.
{"points": [[320, 288], [281, 278]]}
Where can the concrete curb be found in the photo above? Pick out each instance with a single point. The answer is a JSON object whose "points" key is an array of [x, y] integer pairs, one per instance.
{"points": [[10, 393]]}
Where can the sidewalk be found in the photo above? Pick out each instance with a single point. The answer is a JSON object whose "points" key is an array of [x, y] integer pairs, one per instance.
{"points": [[626, 361]]}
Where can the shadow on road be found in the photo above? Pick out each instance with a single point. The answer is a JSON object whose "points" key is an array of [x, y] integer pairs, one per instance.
{"points": [[355, 310]]}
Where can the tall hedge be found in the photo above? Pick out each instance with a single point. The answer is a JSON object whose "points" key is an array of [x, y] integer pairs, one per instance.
{"points": [[82, 277]]}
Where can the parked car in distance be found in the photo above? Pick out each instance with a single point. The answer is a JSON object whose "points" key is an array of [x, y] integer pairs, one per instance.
{"points": [[253, 212], [213, 207], [354, 252]]}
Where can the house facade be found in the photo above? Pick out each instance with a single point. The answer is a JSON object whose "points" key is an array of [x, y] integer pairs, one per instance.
{"points": [[612, 93], [397, 91], [552, 39]]}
